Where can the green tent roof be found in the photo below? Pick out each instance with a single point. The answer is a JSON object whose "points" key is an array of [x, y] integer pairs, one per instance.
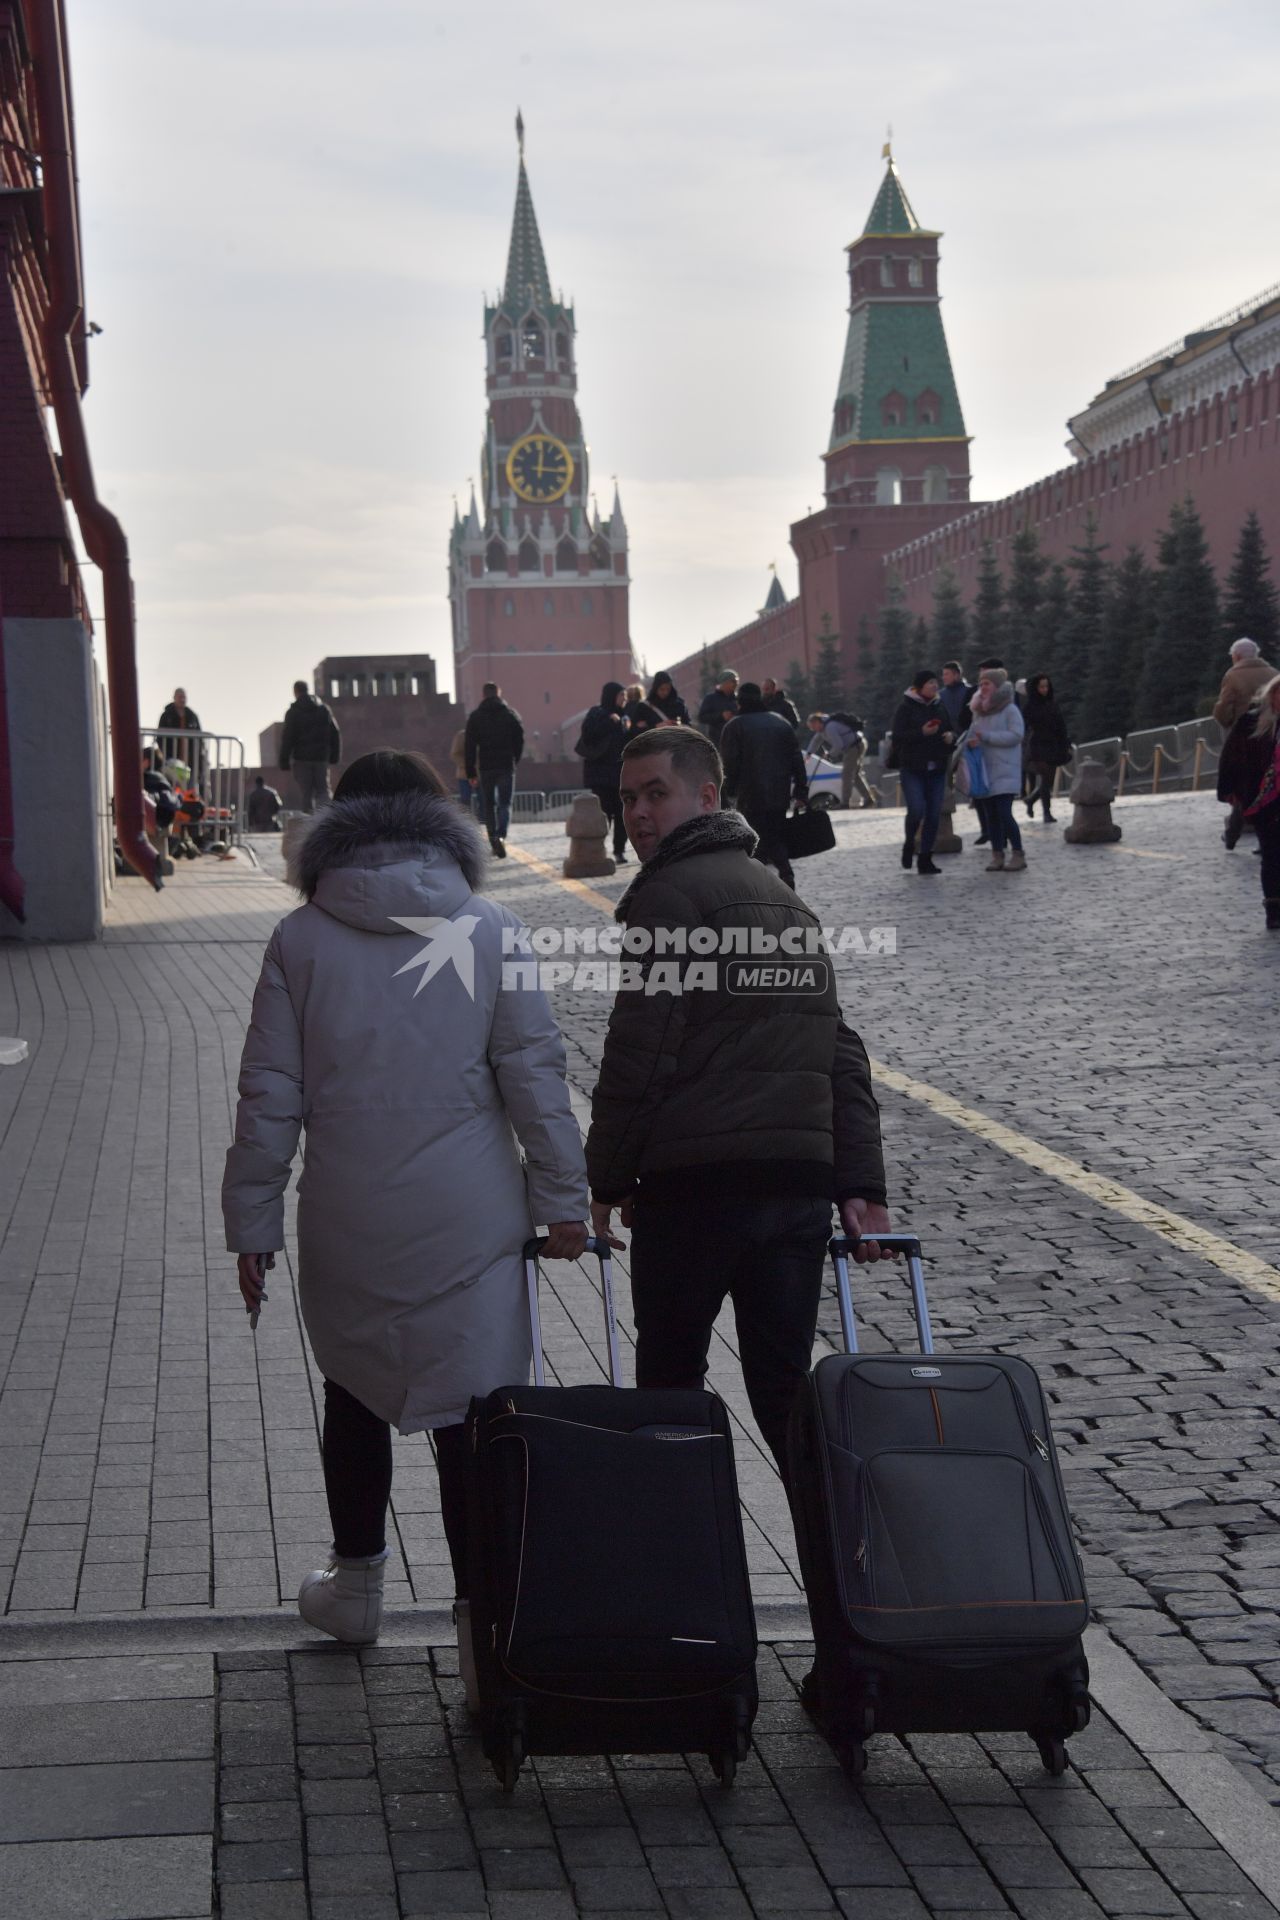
{"points": [[896, 347], [526, 262], [891, 211]]}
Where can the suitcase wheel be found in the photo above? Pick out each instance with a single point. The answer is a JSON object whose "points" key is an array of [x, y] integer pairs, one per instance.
{"points": [[852, 1755], [724, 1765], [1053, 1752], [508, 1766]]}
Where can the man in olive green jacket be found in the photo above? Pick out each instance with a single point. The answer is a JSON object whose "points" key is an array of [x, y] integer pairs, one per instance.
{"points": [[731, 1113]]}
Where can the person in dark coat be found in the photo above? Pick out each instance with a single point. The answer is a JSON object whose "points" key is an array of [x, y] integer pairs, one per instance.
{"points": [[955, 694], [183, 719], [641, 714], [492, 747], [776, 701], [763, 772], [309, 746], [731, 1121], [603, 736], [1262, 807], [663, 696], [1242, 766], [719, 706], [922, 743], [1048, 742], [263, 804]]}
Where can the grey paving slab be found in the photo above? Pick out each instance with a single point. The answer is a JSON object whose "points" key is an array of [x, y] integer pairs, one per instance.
{"points": [[99, 1677], [151, 1879], [87, 1802], [69, 1732]]}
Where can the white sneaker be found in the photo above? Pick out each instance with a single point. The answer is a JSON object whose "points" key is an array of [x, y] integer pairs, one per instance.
{"points": [[466, 1655], [345, 1599]]}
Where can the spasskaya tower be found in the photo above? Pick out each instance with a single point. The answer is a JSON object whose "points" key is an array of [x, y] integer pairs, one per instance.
{"points": [[538, 582]]}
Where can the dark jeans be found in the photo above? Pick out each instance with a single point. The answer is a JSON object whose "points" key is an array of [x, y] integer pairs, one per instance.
{"points": [[495, 801], [311, 777], [771, 851], [611, 807], [923, 793], [356, 1448], [1002, 827], [766, 1254], [1041, 793], [1268, 827]]}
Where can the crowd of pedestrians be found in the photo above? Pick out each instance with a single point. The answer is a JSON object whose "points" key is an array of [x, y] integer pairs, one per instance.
{"points": [[1248, 711]]}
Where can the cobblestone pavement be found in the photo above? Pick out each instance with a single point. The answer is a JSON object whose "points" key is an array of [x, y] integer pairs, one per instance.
{"points": [[1116, 1006], [351, 1787]]}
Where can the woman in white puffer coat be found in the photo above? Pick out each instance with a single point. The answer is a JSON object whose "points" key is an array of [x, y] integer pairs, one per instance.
{"points": [[382, 1030], [997, 728]]}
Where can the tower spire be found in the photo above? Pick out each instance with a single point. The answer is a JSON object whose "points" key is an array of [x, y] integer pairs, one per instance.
{"points": [[528, 282]]}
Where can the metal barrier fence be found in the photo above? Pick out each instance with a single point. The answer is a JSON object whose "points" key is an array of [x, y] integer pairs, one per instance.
{"points": [[1177, 759], [528, 806], [560, 802], [216, 761]]}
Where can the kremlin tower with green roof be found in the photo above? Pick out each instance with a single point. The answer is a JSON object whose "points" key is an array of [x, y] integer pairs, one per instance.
{"points": [[897, 432]]}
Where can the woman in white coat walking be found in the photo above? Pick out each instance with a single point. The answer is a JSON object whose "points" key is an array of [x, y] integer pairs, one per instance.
{"points": [[997, 728], [381, 1028]]}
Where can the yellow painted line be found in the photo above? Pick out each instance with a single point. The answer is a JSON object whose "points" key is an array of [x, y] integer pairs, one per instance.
{"points": [[1141, 853], [1175, 1228], [549, 872]]}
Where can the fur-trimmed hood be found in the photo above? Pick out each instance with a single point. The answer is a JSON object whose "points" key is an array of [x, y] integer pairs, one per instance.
{"points": [[375, 857], [704, 833]]}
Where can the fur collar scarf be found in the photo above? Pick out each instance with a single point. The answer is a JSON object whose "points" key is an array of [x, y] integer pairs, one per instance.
{"points": [[342, 831], [705, 833]]}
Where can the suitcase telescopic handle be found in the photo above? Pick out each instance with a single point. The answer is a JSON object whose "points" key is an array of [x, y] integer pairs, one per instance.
{"points": [[842, 1247], [603, 1253]]}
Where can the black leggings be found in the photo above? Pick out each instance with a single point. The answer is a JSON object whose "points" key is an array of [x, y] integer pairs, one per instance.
{"points": [[356, 1448]]}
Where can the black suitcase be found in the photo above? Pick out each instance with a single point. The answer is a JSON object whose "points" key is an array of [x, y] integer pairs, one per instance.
{"points": [[610, 1599], [944, 1586]]}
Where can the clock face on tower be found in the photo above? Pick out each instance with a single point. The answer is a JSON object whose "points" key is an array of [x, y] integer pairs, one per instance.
{"points": [[540, 467]]}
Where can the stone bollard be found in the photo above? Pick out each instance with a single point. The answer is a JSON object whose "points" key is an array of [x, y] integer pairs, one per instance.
{"points": [[948, 840], [1092, 792], [587, 829]]}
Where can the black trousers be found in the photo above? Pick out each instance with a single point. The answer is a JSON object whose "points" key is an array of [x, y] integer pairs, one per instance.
{"points": [[611, 806], [356, 1448], [771, 850], [766, 1254], [1267, 824]]}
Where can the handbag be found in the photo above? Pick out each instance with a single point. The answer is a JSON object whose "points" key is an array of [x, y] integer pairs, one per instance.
{"points": [[978, 785], [807, 833]]}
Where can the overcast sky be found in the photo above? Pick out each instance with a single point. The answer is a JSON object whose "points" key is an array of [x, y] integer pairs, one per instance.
{"points": [[293, 209]]}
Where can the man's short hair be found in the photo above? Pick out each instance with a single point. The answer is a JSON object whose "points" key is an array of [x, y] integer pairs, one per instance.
{"points": [[693, 758], [952, 666], [1244, 649], [986, 666], [488, 690], [728, 674], [300, 687]]}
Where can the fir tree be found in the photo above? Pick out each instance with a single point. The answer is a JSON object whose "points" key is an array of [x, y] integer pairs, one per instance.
{"points": [[920, 639], [1083, 639], [709, 671], [1026, 589], [799, 691], [866, 660], [1117, 666], [987, 626], [893, 669], [1049, 633], [828, 674], [950, 630], [1252, 607], [1184, 651]]}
